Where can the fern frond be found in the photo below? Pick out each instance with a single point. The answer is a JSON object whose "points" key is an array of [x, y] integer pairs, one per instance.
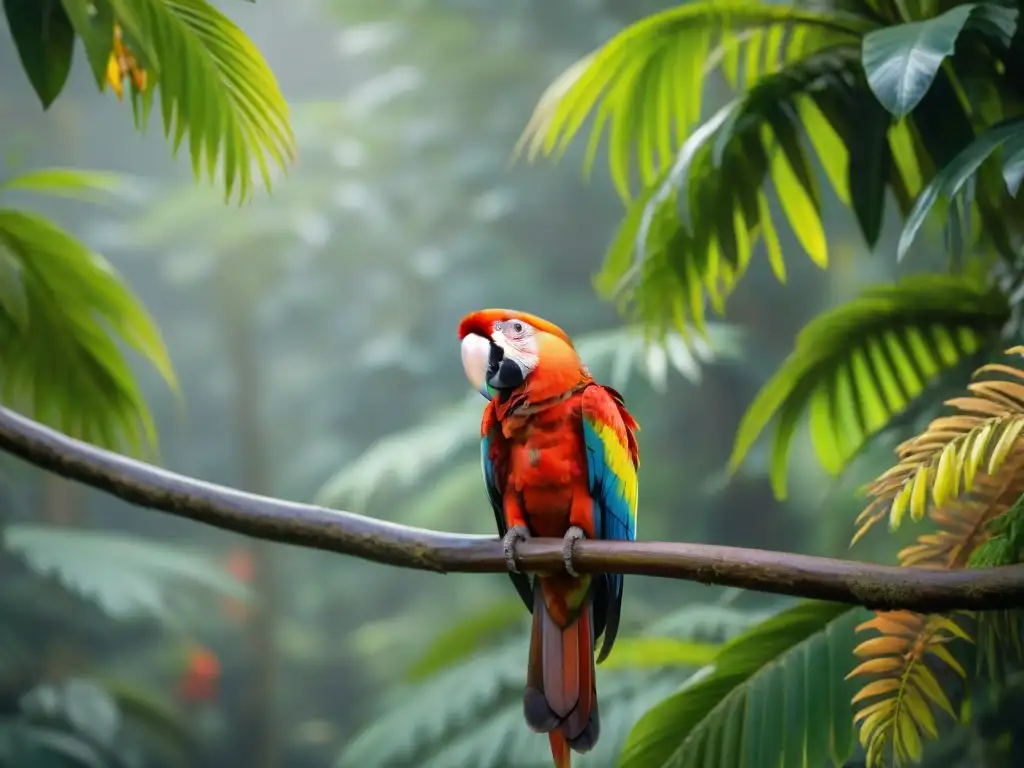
{"points": [[956, 452], [964, 524], [127, 576], [904, 691]]}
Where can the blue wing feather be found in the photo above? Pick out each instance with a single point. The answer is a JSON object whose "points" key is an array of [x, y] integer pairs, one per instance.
{"points": [[612, 474]]}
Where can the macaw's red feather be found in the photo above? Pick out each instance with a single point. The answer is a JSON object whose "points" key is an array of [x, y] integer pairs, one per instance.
{"points": [[560, 750], [561, 694], [482, 323]]}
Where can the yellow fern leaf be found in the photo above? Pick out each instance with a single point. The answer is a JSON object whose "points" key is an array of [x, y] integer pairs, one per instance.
{"points": [[897, 708], [963, 525], [969, 454]]}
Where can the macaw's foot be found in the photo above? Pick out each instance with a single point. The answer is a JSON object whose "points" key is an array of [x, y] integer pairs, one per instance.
{"points": [[574, 534], [512, 537]]}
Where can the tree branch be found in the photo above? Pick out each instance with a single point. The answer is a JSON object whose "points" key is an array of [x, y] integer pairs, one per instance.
{"points": [[305, 525]]}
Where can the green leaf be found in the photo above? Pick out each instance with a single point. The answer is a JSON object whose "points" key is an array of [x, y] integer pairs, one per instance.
{"points": [[45, 41], [949, 181], [93, 21], [830, 147], [1013, 163], [641, 652], [65, 182], [468, 636], [73, 305], [775, 693], [127, 575], [798, 195], [668, 53], [901, 61], [215, 89], [854, 368], [869, 172]]}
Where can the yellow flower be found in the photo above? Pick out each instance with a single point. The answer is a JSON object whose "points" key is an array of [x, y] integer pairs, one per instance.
{"points": [[122, 63]]}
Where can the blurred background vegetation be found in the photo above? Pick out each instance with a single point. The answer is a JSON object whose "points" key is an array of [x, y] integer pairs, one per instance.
{"points": [[312, 339]]}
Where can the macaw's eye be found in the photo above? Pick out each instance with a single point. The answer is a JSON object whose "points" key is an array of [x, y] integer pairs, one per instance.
{"points": [[517, 327]]}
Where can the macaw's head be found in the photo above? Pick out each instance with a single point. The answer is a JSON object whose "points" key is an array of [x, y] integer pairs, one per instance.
{"points": [[504, 350]]}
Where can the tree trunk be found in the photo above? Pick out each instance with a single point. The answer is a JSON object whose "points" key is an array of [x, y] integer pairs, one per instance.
{"points": [[260, 721]]}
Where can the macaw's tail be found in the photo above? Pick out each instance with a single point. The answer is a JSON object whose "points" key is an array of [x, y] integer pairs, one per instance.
{"points": [[561, 696]]}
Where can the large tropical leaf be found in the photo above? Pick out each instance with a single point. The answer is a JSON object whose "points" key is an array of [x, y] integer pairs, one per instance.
{"points": [[215, 89], [408, 456], [62, 310], [901, 61], [854, 367], [126, 575], [775, 693], [44, 39], [635, 80], [953, 179]]}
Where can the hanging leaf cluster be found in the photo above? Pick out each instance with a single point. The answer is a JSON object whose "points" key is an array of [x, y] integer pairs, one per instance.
{"points": [[63, 312], [215, 90]]}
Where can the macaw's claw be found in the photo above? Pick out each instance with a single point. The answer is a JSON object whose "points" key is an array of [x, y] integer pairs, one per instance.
{"points": [[512, 537], [574, 534]]}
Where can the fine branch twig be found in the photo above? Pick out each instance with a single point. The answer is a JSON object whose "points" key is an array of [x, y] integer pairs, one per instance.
{"points": [[306, 525]]}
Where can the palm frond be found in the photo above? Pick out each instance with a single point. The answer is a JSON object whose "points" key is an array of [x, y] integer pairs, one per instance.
{"points": [[60, 301], [776, 692], [904, 691], [633, 82], [689, 238], [405, 458], [975, 449], [855, 367], [125, 575], [215, 88]]}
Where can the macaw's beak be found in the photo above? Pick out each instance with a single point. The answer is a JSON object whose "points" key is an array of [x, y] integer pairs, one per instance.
{"points": [[476, 353], [487, 368]]}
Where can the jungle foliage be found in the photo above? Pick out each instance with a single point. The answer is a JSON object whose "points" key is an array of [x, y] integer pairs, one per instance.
{"points": [[835, 92], [217, 96]]}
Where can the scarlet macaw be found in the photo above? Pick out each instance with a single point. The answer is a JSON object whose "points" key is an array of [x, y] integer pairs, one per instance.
{"points": [[560, 460]]}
